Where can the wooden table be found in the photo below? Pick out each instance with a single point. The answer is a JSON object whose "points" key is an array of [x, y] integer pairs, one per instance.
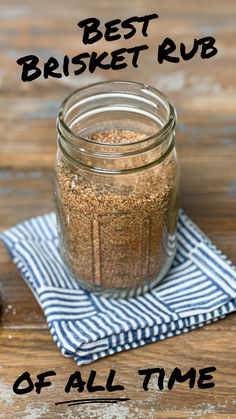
{"points": [[204, 93]]}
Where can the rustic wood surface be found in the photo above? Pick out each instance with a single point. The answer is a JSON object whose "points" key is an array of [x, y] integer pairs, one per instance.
{"points": [[204, 93]]}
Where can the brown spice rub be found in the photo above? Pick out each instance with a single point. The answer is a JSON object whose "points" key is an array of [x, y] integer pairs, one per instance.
{"points": [[113, 230]]}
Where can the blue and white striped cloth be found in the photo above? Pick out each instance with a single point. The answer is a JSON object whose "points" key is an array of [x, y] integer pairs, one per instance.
{"points": [[200, 288]]}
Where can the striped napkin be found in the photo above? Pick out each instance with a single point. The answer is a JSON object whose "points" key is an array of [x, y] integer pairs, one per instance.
{"points": [[200, 288]]}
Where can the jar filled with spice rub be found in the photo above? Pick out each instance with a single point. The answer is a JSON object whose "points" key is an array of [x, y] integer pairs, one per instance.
{"points": [[117, 187]]}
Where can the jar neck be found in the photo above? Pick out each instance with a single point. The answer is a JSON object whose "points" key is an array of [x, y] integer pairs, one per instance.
{"points": [[116, 105]]}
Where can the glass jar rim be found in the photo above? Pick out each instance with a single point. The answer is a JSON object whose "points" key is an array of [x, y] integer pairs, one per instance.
{"points": [[160, 134]]}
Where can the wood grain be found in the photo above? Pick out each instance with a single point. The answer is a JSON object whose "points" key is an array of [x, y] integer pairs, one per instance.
{"points": [[204, 94]]}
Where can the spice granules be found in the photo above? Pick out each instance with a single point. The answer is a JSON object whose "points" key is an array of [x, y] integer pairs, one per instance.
{"points": [[114, 232]]}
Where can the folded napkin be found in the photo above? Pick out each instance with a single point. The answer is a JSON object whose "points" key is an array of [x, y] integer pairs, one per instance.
{"points": [[199, 288]]}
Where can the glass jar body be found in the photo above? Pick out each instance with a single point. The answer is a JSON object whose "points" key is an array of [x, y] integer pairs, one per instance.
{"points": [[117, 224]]}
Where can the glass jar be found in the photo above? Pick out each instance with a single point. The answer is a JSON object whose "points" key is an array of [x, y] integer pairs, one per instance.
{"points": [[116, 187]]}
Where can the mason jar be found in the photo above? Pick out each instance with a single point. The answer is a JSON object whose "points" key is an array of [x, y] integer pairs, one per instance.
{"points": [[117, 187]]}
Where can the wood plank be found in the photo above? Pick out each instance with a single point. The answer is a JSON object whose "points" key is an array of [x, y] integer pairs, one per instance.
{"points": [[200, 348]]}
